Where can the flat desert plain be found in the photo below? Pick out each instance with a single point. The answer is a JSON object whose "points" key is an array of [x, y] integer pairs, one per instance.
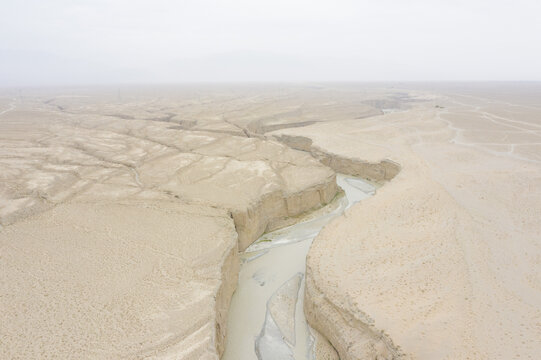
{"points": [[123, 212]]}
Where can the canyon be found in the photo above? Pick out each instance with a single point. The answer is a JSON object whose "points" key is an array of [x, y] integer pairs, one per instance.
{"points": [[126, 215]]}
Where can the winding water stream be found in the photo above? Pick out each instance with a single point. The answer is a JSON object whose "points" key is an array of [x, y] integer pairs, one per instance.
{"points": [[266, 318]]}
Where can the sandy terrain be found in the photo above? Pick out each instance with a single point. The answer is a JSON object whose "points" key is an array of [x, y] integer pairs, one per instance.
{"points": [[115, 280], [121, 213], [443, 263]]}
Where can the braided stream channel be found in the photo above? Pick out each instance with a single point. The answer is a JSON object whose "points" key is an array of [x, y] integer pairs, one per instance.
{"points": [[266, 317]]}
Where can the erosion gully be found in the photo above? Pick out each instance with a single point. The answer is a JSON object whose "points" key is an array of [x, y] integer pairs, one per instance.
{"points": [[266, 317]]}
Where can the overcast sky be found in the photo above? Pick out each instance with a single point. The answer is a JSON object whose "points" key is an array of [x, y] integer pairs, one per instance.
{"points": [[51, 42]]}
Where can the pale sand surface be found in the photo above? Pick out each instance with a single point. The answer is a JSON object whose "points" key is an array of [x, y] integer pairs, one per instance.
{"points": [[115, 280], [444, 262]]}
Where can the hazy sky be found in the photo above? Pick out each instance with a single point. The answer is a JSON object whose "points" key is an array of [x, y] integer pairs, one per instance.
{"points": [[119, 41]]}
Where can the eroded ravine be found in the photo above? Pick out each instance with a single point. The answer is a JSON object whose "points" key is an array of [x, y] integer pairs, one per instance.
{"points": [[266, 318]]}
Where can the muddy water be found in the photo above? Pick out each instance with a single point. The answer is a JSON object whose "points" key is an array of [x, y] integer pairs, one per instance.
{"points": [[266, 318]]}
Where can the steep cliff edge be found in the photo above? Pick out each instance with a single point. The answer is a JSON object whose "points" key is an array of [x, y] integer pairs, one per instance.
{"points": [[271, 210]]}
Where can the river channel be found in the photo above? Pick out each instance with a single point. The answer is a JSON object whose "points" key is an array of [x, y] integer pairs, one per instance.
{"points": [[266, 317]]}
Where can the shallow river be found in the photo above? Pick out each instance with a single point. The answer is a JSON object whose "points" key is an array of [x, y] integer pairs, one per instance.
{"points": [[266, 319]]}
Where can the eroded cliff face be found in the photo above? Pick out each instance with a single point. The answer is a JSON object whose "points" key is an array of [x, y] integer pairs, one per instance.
{"points": [[273, 210], [228, 284], [352, 336], [378, 171]]}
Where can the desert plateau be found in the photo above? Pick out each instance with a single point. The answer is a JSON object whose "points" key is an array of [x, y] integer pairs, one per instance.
{"points": [[271, 221]]}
